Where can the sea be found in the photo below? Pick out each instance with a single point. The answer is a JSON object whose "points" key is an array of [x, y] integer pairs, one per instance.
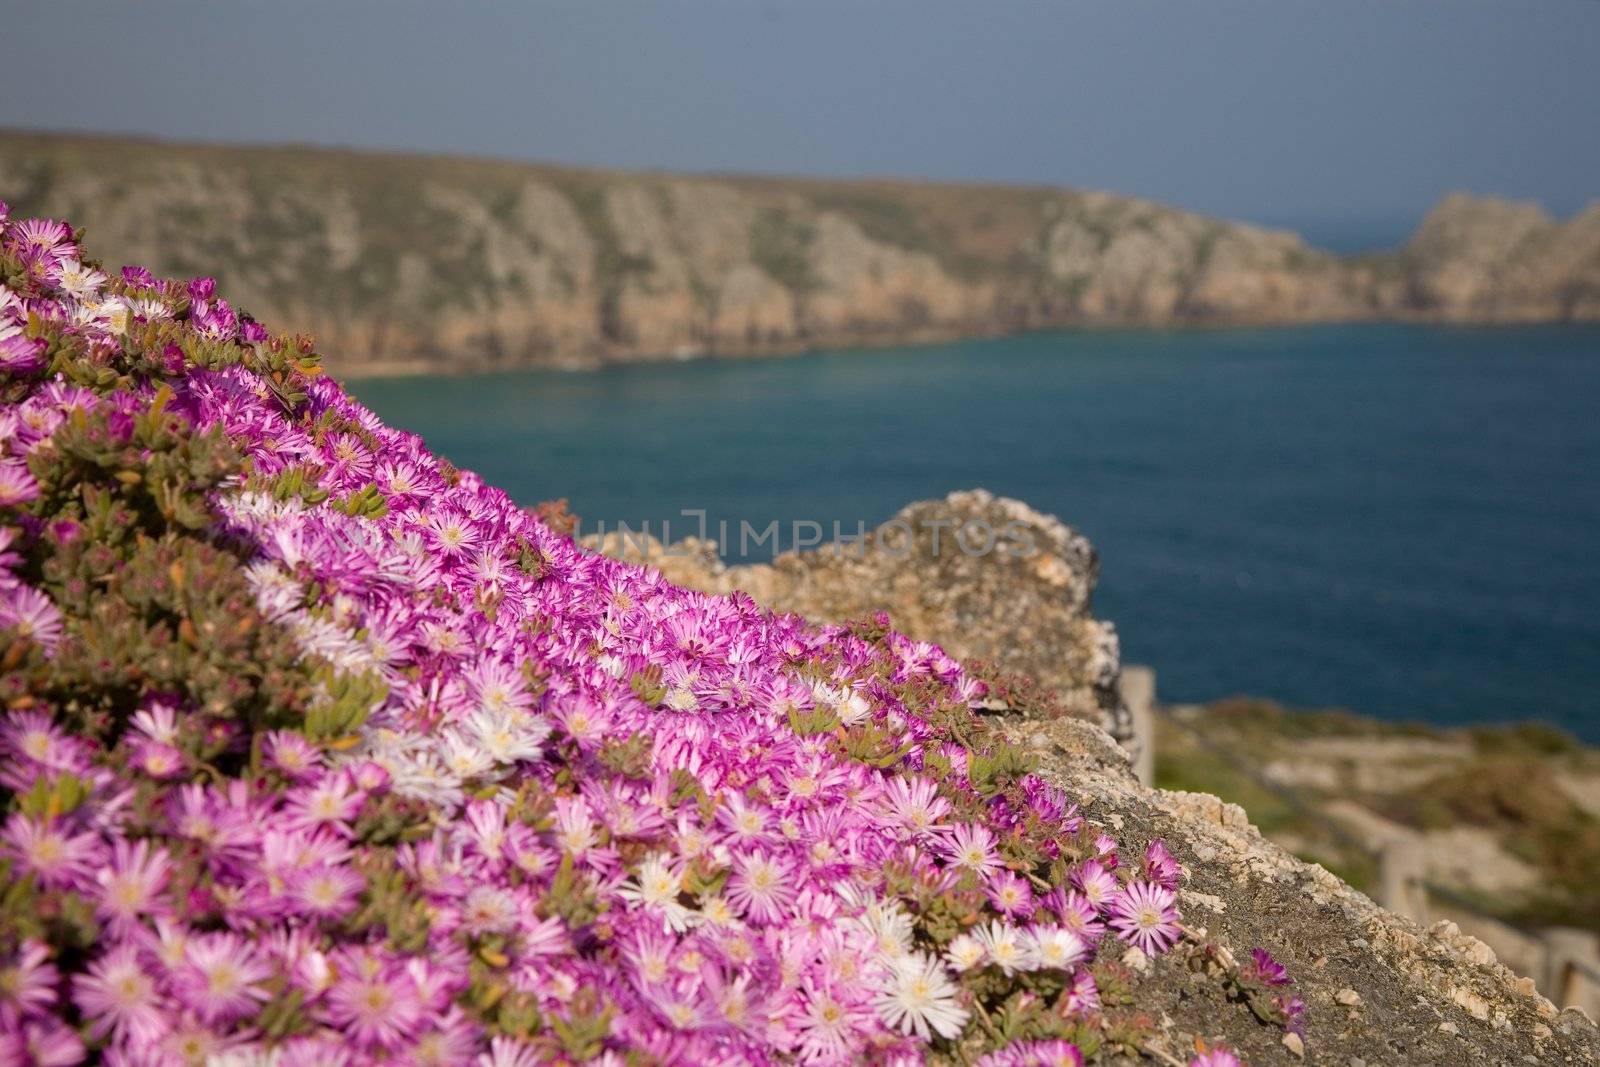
{"points": [[1401, 520]]}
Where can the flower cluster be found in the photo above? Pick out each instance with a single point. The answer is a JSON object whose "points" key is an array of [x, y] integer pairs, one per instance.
{"points": [[320, 751], [1264, 983]]}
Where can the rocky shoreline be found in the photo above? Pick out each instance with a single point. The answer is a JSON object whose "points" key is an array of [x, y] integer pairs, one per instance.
{"points": [[412, 264]]}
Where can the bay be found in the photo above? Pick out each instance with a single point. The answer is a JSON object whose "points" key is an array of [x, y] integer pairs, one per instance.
{"points": [[1397, 519]]}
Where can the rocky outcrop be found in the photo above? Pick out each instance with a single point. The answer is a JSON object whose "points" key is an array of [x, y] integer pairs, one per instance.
{"points": [[406, 263], [1504, 261], [987, 578], [1378, 988]]}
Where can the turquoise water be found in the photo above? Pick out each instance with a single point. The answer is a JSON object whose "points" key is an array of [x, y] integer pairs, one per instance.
{"points": [[1401, 520]]}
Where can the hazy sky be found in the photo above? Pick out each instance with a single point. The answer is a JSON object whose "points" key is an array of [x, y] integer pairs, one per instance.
{"points": [[1343, 117]]}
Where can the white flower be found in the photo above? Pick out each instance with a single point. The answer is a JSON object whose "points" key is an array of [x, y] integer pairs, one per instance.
{"points": [[889, 926], [506, 737], [79, 281], [965, 952], [489, 910], [1055, 947], [656, 884], [681, 699], [421, 775], [151, 309], [464, 757], [853, 709], [919, 997], [115, 315], [1004, 946]]}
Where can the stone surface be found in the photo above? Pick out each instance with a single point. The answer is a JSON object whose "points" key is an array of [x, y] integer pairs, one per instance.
{"points": [[1378, 988]]}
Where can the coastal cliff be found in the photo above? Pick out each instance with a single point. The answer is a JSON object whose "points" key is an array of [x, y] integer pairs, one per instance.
{"points": [[413, 264]]}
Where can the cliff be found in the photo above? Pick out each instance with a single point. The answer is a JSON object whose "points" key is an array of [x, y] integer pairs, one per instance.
{"points": [[410, 263]]}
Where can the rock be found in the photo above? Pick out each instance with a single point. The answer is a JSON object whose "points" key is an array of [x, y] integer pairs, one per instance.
{"points": [[1190, 900], [1295, 1044], [1474, 1004], [1408, 981]]}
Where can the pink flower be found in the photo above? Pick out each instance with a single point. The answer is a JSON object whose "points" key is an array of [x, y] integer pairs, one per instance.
{"points": [[157, 760], [27, 984], [970, 846], [333, 802], [222, 978], [1097, 884], [19, 353], [130, 888], [1082, 996], [1076, 913], [1218, 1056], [1146, 916], [915, 803], [375, 1006], [118, 996], [17, 486], [1011, 895], [761, 887], [1160, 866], [1035, 1054], [327, 892], [292, 755], [48, 1043], [1264, 969], [59, 858], [41, 237]]}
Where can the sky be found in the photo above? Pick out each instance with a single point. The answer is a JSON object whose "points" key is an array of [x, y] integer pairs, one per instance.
{"points": [[1345, 119]]}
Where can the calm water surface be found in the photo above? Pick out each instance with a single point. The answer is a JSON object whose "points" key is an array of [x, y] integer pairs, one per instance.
{"points": [[1401, 520]]}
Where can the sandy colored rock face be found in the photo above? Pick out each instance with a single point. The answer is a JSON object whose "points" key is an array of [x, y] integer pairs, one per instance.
{"points": [[413, 264]]}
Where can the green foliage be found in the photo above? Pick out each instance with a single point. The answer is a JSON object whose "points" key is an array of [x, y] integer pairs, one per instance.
{"points": [[647, 686], [873, 745], [342, 705], [629, 758], [367, 502], [885, 217], [815, 721], [781, 246], [991, 772]]}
